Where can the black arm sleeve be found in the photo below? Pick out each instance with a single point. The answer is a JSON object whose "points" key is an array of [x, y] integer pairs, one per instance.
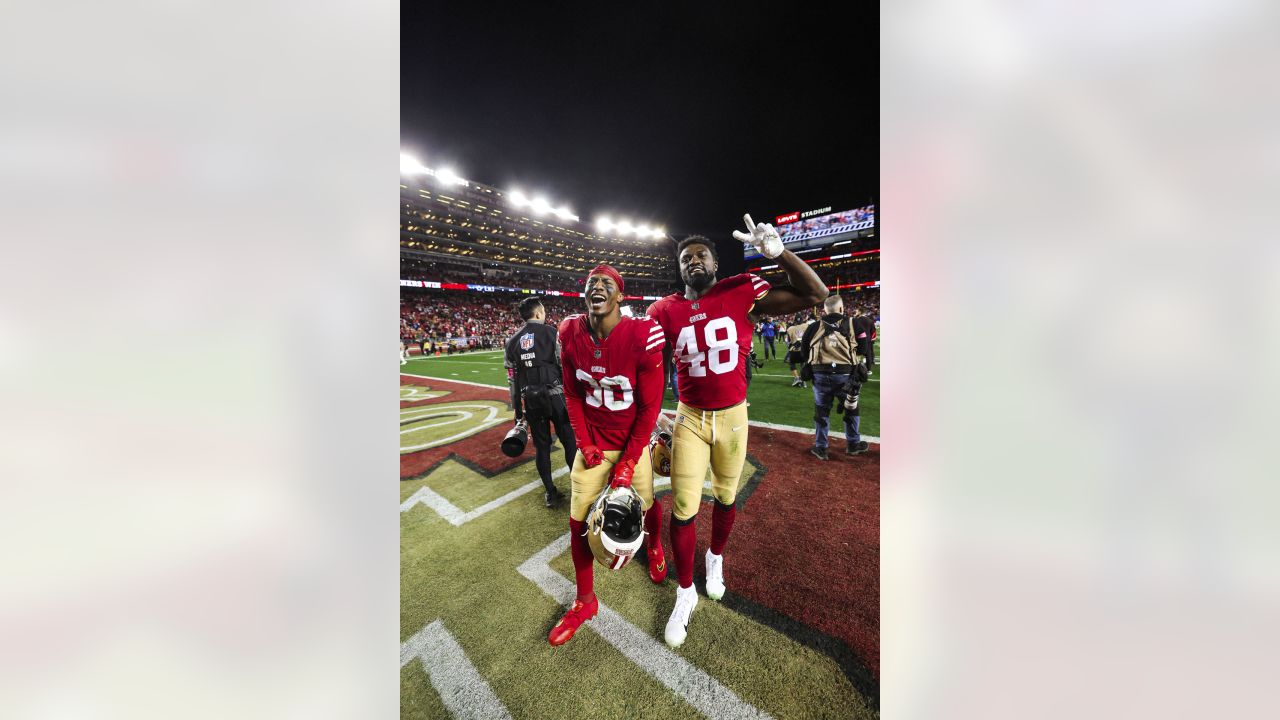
{"points": [[666, 366], [866, 345]]}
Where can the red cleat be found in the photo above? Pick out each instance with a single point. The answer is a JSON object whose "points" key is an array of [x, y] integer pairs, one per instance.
{"points": [[572, 620], [657, 564]]}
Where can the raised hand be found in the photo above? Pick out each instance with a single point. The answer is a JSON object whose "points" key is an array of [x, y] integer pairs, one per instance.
{"points": [[762, 236]]}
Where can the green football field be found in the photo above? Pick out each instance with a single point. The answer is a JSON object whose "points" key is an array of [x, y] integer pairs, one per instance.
{"points": [[485, 571], [772, 398]]}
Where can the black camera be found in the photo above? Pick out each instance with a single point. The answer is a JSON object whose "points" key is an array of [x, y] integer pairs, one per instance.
{"points": [[851, 388], [514, 443]]}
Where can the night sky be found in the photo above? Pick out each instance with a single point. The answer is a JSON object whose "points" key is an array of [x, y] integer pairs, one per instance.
{"points": [[685, 119]]}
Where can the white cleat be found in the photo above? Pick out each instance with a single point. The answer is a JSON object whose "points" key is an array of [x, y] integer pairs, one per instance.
{"points": [[678, 625], [715, 576]]}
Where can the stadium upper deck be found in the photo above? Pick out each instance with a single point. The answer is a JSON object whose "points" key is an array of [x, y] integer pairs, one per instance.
{"points": [[473, 223], [463, 231]]}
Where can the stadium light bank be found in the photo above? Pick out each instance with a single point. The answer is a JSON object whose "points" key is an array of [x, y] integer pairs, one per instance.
{"points": [[539, 205], [625, 227], [410, 166]]}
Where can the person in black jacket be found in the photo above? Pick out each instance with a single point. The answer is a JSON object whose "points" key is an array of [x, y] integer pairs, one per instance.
{"points": [[537, 392], [864, 335]]}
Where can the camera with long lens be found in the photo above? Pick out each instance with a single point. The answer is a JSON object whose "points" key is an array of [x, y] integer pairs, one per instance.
{"points": [[514, 443]]}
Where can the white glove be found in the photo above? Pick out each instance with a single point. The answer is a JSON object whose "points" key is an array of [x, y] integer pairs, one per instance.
{"points": [[762, 236]]}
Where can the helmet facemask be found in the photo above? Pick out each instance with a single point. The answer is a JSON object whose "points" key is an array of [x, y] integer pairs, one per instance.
{"points": [[615, 527]]}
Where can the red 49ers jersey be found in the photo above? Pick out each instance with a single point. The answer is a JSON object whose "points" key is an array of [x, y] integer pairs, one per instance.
{"points": [[613, 388], [710, 339]]}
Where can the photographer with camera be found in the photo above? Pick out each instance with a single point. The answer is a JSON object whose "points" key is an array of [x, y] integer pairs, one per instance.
{"points": [[838, 370], [795, 350], [532, 359]]}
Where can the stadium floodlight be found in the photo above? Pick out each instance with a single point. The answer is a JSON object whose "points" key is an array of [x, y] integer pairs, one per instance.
{"points": [[410, 166], [564, 212], [449, 177], [541, 206], [517, 198], [624, 227], [603, 224], [659, 233], [643, 231]]}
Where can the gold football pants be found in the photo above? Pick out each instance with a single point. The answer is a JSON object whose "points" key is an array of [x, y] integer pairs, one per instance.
{"points": [[586, 483], [702, 439]]}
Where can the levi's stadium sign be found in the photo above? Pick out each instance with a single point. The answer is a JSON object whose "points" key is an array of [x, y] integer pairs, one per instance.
{"points": [[792, 217], [822, 222], [814, 224]]}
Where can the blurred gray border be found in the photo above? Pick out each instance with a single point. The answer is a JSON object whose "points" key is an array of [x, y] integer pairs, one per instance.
{"points": [[197, 449]]}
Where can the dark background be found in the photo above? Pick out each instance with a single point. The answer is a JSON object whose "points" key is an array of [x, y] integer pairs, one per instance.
{"points": [[683, 118]]}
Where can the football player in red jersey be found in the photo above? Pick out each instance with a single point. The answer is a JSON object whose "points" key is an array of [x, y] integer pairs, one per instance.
{"points": [[613, 383], [710, 335]]}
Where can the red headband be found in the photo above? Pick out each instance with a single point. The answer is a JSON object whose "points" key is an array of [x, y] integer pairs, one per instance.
{"points": [[609, 272]]}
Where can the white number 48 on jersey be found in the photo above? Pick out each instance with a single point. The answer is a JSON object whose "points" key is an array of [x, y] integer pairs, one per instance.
{"points": [[721, 354]]}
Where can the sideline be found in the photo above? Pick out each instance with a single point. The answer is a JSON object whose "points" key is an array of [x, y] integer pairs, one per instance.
{"points": [[454, 356], [753, 423]]}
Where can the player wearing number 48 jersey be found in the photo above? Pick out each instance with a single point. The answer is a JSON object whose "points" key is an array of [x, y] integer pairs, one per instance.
{"points": [[612, 369], [709, 334]]}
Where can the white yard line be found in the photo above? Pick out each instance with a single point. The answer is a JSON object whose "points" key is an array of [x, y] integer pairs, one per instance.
{"points": [[454, 380], [464, 693], [760, 374], [694, 686], [454, 356], [806, 431], [454, 514], [490, 361]]}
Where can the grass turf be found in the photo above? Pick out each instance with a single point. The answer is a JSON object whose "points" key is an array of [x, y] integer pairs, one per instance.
{"points": [[771, 396], [466, 577]]}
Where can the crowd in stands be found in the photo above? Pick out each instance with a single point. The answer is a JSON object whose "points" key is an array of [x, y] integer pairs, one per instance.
{"points": [[456, 321], [862, 302], [412, 268], [833, 273]]}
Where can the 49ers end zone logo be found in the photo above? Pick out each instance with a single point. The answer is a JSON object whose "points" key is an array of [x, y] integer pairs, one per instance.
{"points": [[439, 420], [425, 424]]}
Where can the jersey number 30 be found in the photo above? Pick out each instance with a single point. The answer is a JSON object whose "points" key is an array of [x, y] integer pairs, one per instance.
{"points": [[721, 354], [612, 392]]}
